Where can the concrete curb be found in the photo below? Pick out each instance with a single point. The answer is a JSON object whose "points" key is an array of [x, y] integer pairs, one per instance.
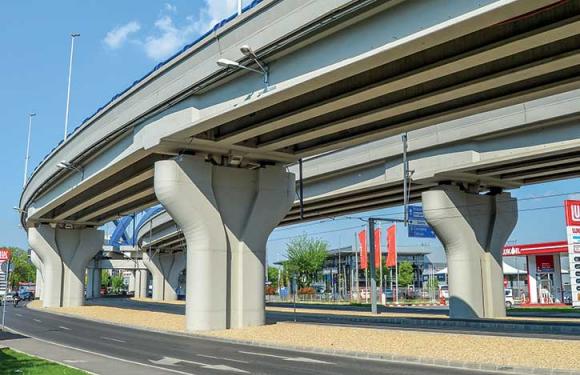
{"points": [[525, 326], [342, 353]]}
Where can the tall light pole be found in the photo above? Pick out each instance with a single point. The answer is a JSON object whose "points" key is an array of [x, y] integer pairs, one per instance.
{"points": [[27, 156], [72, 49]]}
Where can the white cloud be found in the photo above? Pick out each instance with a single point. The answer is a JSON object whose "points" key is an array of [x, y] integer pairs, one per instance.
{"points": [[117, 37], [169, 37], [216, 10], [170, 8]]}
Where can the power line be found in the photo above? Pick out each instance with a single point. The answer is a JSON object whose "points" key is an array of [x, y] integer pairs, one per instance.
{"points": [[394, 216]]}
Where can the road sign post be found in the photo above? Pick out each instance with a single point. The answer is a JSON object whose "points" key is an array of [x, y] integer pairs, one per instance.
{"points": [[5, 255], [418, 226]]}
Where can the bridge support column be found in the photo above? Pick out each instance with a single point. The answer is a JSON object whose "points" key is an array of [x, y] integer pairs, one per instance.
{"points": [[165, 269], [473, 229], [140, 283], [39, 278], [93, 282], [64, 254], [226, 215]]}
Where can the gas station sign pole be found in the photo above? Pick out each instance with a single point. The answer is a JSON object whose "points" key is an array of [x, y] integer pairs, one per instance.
{"points": [[573, 233]]}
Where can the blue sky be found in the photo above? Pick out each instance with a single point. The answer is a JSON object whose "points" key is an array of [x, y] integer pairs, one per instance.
{"points": [[121, 41]]}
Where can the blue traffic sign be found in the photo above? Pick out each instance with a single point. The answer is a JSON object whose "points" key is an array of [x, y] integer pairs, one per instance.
{"points": [[418, 226]]}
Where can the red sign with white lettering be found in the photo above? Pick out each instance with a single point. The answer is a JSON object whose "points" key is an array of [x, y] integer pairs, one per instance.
{"points": [[536, 248], [4, 254], [572, 212]]}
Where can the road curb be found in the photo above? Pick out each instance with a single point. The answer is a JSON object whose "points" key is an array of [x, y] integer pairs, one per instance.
{"points": [[342, 353]]}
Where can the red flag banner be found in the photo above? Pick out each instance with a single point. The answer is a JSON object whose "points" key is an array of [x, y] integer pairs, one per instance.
{"points": [[362, 238], [392, 246], [377, 247]]}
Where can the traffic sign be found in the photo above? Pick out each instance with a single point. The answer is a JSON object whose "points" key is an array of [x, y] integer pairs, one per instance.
{"points": [[5, 254], [4, 266], [418, 226]]}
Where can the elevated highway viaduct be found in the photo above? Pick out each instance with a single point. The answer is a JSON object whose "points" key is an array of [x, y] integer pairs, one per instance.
{"points": [[523, 144], [211, 139]]}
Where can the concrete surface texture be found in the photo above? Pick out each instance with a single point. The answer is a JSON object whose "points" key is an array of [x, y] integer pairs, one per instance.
{"points": [[35, 259], [226, 215], [93, 282], [473, 229], [165, 269], [64, 254]]}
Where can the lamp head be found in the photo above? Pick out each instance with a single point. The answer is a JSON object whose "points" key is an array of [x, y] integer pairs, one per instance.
{"points": [[63, 165], [246, 50], [226, 63]]}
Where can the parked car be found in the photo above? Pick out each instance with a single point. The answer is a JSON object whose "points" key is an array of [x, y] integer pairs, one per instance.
{"points": [[509, 298]]}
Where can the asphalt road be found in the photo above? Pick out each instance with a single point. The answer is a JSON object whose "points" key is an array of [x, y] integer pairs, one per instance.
{"points": [[190, 355]]}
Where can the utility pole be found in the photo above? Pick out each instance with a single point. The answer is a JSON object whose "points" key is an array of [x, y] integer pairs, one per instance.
{"points": [[372, 266], [27, 157], [72, 49]]}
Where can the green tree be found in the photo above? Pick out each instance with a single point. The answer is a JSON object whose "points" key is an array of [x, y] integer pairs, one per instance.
{"points": [[24, 270], [273, 276], [405, 274], [306, 258], [117, 283], [105, 279]]}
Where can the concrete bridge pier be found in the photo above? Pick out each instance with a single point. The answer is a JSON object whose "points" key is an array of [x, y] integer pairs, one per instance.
{"points": [[140, 283], [65, 254], [226, 215], [93, 282], [165, 269], [34, 258], [473, 229]]}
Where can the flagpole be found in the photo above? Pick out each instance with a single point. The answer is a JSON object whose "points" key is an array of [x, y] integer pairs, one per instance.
{"points": [[380, 263], [396, 271], [356, 267]]}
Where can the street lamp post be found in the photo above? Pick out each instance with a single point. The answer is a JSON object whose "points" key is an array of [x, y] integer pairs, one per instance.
{"points": [[72, 48], [27, 156]]}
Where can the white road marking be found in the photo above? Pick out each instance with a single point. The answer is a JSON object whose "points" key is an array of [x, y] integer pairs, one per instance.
{"points": [[112, 339], [168, 361], [102, 355], [37, 320], [19, 315], [291, 359], [65, 328], [222, 358], [74, 361]]}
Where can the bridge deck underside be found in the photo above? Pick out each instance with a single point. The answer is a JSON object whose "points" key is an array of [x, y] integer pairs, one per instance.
{"points": [[511, 62]]}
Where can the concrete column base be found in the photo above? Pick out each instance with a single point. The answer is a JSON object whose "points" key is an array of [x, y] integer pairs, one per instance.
{"points": [[65, 255], [93, 283], [140, 283], [39, 278], [165, 269], [473, 229], [226, 215]]}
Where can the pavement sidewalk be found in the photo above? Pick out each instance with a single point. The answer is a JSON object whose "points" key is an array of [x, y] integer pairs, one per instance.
{"points": [[91, 362]]}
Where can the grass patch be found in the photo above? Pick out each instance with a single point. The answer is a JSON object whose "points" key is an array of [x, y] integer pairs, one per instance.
{"points": [[12, 362]]}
